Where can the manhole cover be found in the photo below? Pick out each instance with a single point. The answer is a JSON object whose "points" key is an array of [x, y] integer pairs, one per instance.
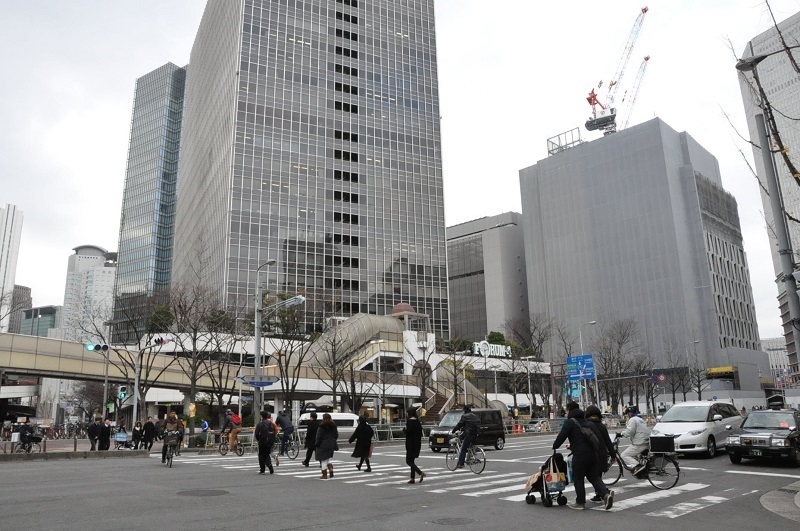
{"points": [[454, 521], [203, 492]]}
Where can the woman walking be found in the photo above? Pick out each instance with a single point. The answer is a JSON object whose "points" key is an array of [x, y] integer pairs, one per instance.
{"points": [[413, 431], [138, 432], [326, 445], [605, 448], [363, 438]]}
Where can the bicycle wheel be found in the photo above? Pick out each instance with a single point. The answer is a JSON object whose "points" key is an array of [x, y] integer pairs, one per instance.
{"points": [[36, 448], [663, 471], [478, 460], [239, 449], [170, 453], [223, 448], [293, 449], [19, 448], [451, 458], [614, 472]]}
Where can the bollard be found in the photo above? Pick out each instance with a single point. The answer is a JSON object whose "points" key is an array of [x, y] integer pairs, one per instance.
{"points": [[75, 444], [44, 445]]}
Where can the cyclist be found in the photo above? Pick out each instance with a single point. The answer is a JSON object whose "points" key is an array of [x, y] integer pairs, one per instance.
{"points": [[287, 427], [469, 423], [636, 430], [233, 422], [171, 423], [27, 433]]}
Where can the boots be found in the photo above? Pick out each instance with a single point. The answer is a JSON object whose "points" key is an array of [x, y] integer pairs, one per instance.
{"points": [[324, 474], [330, 470], [369, 467]]}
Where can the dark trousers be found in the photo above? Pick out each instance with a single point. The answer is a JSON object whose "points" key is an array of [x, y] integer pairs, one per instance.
{"points": [[414, 468], [309, 453], [584, 466], [94, 444], [264, 457], [362, 462], [285, 438], [105, 444], [468, 441], [147, 444]]}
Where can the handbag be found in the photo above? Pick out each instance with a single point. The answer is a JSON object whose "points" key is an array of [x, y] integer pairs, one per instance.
{"points": [[371, 447]]}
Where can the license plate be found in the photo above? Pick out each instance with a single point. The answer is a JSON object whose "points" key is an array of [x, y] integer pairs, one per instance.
{"points": [[755, 452], [440, 440]]}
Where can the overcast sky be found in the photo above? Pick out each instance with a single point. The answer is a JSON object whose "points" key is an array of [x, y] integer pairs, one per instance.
{"points": [[512, 73]]}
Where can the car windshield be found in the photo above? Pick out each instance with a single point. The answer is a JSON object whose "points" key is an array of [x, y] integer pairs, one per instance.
{"points": [[767, 420], [686, 414], [450, 419]]}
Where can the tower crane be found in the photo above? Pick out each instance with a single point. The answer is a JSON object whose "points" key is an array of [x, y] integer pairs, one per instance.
{"points": [[604, 114], [635, 91]]}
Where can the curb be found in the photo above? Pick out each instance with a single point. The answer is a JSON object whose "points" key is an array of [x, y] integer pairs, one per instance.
{"points": [[784, 502], [54, 456]]}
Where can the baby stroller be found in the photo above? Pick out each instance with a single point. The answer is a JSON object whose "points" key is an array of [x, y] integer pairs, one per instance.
{"points": [[550, 482]]}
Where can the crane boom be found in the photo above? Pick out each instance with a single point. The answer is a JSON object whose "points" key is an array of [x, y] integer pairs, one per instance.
{"points": [[626, 55], [635, 90]]}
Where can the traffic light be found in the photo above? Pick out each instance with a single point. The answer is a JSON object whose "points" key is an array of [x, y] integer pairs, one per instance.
{"points": [[161, 340], [97, 347], [123, 392]]}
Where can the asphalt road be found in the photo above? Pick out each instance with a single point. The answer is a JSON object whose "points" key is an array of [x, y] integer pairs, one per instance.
{"points": [[215, 492]]}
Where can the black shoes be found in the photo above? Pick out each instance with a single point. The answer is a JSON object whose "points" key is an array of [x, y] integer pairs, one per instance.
{"points": [[271, 470], [305, 464], [261, 472]]}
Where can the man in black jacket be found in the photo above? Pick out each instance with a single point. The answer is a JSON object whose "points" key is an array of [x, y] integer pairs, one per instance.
{"points": [[584, 457], [148, 434], [471, 424], [311, 437], [105, 435], [265, 435], [94, 433]]}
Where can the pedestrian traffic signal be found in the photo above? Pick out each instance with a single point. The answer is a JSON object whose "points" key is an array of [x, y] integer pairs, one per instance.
{"points": [[97, 347], [123, 392], [161, 340]]}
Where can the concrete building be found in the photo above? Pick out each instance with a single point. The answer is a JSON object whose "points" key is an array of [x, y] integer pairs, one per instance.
{"points": [[775, 347], [147, 225], [486, 275], [636, 225], [10, 235], [19, 301], [311, 136], [779, 81], [88, 294], [40, 320]]}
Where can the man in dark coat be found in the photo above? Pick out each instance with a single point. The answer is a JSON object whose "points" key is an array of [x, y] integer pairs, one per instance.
{"points": [[94, 433], [148, 434], [470, 424], [363, 438], [265, 435], [105, 435], [311, 438], [584, 457], [413, 431], [327, 433], [606, 447]]}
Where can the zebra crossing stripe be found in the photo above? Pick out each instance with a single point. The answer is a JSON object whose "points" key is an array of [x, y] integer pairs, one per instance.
{"points": [[433, 477], [429, 476], [681, 509], [652, 496], [463, 487]]}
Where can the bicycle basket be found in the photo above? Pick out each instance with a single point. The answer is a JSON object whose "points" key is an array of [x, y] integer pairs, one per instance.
{"points": [[662, 445]]}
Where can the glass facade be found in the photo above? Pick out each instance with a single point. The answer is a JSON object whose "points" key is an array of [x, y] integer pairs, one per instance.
{"points": [[148, 205], [324, 154]]}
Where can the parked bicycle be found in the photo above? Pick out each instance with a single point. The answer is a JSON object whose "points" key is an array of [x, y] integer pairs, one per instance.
{"points": [[475, 458], [171, 439], [224, 440], [660, 468]]}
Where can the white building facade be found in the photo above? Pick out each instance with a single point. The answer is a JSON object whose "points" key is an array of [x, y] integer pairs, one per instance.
{"points": [[10, 236]]}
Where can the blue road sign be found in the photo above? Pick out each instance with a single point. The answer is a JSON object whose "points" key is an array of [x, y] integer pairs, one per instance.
{"points": [[580, 367]]}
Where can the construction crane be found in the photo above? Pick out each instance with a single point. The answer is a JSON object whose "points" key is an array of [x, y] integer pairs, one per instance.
{"points": [[634, 91], [604, 114]]}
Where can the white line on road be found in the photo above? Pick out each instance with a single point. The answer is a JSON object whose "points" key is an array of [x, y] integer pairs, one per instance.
{"points": [[767, 474], [452, 476], [681, 509], [653, 496], [463, 487]]}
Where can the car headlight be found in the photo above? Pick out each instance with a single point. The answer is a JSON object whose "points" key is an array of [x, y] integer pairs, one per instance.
{"points": [[655, 432], [733, 440], [696, 432], [780, 441]]}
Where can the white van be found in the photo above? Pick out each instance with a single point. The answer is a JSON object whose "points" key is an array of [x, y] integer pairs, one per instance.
{"points": [[345, 422]]}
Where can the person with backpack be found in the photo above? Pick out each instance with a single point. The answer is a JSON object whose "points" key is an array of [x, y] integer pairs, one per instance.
{"points": [[637, 431], [285, 423], [233, 422], [605, 448], [584, 456], [265, 435], [363, 438]]}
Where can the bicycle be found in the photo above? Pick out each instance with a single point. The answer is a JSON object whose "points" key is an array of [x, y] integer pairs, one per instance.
{"points": [[475, 458], [660, 468], [292, 445], [224, 441], [171, 440], [28, 447]]}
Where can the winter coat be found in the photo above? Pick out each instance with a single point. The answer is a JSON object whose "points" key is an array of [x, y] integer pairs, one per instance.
{"points": [[413, 438], [149, 431], [637, 431], [284, 422], [363, 438], [326, 441], [469, 422], [137, 433], [94, 430], [606, 447], [578, 443], [265, 433], [311, 433], [105, 432]]}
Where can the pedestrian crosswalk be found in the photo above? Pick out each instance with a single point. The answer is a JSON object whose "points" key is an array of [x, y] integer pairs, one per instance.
{"points": [[505, 487]]}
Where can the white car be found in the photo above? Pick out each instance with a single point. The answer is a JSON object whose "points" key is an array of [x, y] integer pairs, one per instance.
{"points": [[700, 426]]}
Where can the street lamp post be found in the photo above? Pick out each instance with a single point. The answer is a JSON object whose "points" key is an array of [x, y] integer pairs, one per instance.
{"points": [[257, 348], [580, 339]]}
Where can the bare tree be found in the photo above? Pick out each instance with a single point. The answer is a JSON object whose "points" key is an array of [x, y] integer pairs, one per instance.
{"points": [[563, 348], [677, 372], [453, 366], [331, 354], [615, 344], [420, 363], [357, 388], [697, 380], [88, 395], [227, 337]]}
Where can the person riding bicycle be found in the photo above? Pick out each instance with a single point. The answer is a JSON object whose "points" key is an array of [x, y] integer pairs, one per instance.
{"points": [[233, 422], [285, 424], [171, 423], [27, 433], [637, 431], [469, 423]]}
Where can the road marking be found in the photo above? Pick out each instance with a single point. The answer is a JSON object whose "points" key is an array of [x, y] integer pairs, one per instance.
{"points": [[451, 476], [681, 509], [694, 468], [652, 496], [463, 487], [767, 474]]}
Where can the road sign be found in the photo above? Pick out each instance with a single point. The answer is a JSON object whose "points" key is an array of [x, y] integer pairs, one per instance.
{"points": [[654, 378], [714, 397], [259, 380], [580, 367], [662, 377]]}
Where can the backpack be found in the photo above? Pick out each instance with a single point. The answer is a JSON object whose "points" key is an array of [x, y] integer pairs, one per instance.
{"points": [[589, 434], [236, 419]]}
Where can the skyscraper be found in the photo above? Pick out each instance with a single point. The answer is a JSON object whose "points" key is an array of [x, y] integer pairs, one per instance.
{"points": [[10, 235], [19, 302], [311, 136], [148, 203], [636, 225], [779, 80]]}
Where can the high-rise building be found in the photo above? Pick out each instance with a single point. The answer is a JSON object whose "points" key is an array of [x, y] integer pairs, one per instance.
{"points": [[19, 302], [775, 347], [88, 294], [486, 270], [40, 320], [311, 136], [636, 225], [148, 203], [778, 79], [10, 235]]}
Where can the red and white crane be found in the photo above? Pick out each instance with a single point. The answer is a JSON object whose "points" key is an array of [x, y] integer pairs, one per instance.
{"points": [[604, 114]]}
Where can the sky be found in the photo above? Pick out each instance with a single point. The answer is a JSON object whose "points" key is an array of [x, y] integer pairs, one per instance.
{"points": [[511, 75]]}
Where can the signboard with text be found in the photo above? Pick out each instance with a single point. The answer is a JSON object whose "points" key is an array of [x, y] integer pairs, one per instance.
{"points": [[580, 367]]}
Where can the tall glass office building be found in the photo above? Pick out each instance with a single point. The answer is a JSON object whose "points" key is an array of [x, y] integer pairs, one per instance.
{"points": [[311, 136], [148, 204]]}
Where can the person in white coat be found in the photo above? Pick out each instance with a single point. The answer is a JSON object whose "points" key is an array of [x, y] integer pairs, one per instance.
{"points": [[637, 431]]}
